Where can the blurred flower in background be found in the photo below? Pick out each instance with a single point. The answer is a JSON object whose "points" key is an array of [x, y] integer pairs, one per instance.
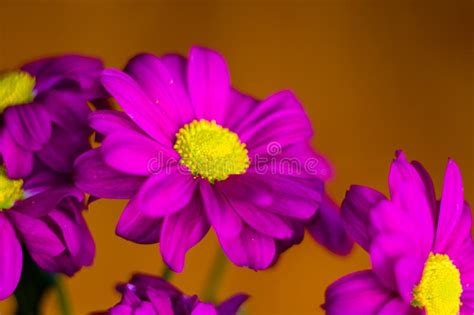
{"points": [[44, 215], [43, 129], [44, 111]]}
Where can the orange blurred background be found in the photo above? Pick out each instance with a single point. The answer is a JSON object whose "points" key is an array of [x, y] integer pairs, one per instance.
{"points": [[374, 76]]}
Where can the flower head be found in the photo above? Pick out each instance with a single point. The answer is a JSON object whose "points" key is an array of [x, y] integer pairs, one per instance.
{"points": [[421, 249], [44, 110], [42, 212], [191, 153], [151, 295]]}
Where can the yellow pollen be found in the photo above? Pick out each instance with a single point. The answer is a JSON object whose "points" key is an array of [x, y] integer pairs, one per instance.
{"points": [[10, 190], [210, 151], [16, 88], [440, 289]]}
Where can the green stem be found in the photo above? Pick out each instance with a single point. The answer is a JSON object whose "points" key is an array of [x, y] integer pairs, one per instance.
{"points": [[215, 277], [167, 274], [34, 284], [63, 299]]}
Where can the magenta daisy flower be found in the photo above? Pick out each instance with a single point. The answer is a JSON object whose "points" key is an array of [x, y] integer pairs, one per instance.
{"points": [[421, 249], [44, 214], [43, 112], [192, 152], [154, 296]]}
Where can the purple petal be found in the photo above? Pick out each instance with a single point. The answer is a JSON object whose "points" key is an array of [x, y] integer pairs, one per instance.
{"points": [[68, 109], [261, 220], [249, 249], [43, 179], [399, 307], [18, 161], [177, 66], [296, 238], [163, 194], [220, 213], [42, 203], [62, 263], [231, 306], [29, 125], [463, 242], [64, 147], [159, 83], [242, 106], [180, 232], [208, 83], [279, 119], [161, 302], [146, 281], [85, 71], [296, 160], [355, 211], [411, 202], [109, 121], [145, 308], [138, 106], [429, 187], [204, 309], [357, 294], [467, 299], [95, 177], [36, 234], [328, 229], [396, 237], [121, 310], [408, 272], [310, 164], [136, 154], [11, 261], [75, 233], [137, 227], [276, 193], [451, 209]]}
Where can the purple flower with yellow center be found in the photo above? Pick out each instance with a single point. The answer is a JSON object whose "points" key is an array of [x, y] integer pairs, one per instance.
{"points": [[44, 110], [421, 249], [44, 214], [192, 152], [151, 295]]}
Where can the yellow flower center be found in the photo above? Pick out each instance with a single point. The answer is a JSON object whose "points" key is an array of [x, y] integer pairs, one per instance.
{"points": [[440, 289], [10, 190], [211, 151], [16, 88]]}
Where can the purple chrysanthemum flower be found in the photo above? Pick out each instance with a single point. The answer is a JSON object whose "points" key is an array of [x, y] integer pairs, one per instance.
{"points": [[43, 112], [192, 152], [421, 249], [44, 214], [151, 295]]}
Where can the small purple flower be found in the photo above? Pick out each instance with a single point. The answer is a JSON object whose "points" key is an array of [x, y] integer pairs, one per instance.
{"points": [[192, 152], [44, 111], [44, 214], [151, 295], [421, 249]]}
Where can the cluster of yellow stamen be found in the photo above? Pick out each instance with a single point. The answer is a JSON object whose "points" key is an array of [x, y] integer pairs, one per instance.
{"points": [[440, 289], [16, 88], [210, 151], [10, 190]]}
